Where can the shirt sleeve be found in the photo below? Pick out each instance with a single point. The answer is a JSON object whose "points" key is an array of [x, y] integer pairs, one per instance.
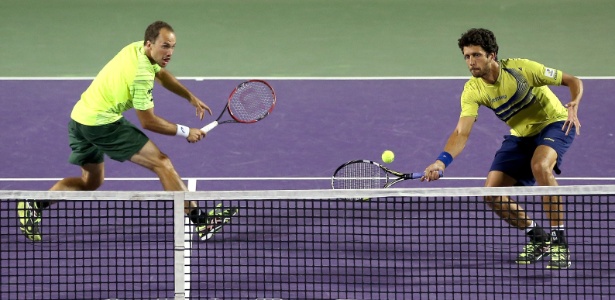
{"points": [[143, 85], [541, 75], [469, 102]]}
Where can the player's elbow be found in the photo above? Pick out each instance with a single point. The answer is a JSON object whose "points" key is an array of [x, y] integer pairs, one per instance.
{"points": [[579, 86], [461, 134], [148, 122], [151, 126], [156, 129], [572, 81], [464, 127]]}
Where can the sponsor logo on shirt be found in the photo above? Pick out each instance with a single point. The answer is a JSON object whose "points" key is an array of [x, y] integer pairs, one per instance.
{"points": [[550, 73], [498, 98]]}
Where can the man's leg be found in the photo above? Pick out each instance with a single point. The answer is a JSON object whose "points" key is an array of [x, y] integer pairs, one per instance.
{"points": [[543, 163], [92, 177], [506, 207], [151, 158], [30, 212], [511, 212], [207, 223]]}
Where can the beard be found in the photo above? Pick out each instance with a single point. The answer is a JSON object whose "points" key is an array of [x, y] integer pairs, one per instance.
{"points": [[478, 73]]}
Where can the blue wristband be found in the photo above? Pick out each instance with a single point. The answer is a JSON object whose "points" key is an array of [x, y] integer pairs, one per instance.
{"points": [[446, 158]]}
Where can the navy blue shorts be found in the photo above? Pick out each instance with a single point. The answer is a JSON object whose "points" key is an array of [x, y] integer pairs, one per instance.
{"points": [[515, 156]]}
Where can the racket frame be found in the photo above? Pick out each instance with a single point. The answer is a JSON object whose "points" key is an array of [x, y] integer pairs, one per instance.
{"points": [[399, 176], [227, 108]]}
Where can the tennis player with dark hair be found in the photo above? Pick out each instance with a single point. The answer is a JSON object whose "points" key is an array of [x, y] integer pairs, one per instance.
{"points": [[542, 130], [97, 128]]}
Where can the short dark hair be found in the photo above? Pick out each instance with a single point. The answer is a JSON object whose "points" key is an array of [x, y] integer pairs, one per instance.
{"points": [[479, 37], [153, 30]]}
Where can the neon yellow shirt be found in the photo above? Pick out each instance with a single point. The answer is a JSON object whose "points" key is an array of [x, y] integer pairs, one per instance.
{"points": [[520, 97], [125, 82]]}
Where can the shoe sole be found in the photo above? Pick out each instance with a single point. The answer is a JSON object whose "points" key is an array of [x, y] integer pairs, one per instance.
{"points": [[531, 262], [559, 268]]}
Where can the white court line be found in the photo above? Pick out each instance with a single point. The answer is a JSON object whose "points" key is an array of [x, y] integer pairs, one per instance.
{"points": [[193, 180]]}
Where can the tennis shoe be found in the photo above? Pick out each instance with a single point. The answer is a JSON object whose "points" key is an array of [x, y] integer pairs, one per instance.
{"points": [[215, 220], [533, 252], [560, 257], [29, 218]]}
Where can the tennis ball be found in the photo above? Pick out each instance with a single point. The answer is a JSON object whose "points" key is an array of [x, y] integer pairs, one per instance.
{"points": [[388, 156]]}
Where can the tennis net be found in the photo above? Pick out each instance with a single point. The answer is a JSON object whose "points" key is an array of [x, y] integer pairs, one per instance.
{"points": [[304, 244]]}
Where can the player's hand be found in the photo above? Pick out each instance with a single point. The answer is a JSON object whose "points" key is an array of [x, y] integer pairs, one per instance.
{"points": [[432, 172], [200, 107], [572, 120], [195, 135]]}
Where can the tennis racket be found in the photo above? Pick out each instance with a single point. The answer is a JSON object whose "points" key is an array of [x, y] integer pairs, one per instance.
{"points": [[249, 102], [366, 174]]}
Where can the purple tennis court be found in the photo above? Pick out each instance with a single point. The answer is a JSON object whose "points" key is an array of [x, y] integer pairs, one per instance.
{"points": [[316, 126], [432, 247]]}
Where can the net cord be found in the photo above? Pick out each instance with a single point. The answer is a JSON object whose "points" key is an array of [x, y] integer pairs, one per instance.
{"points": [[311, 194]]}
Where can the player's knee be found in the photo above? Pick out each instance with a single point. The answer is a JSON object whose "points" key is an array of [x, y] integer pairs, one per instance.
{"points": [[163, 162], [92, 183], [92, 186], [489, 199], [92, 177], [493, 201], [541, 168]]}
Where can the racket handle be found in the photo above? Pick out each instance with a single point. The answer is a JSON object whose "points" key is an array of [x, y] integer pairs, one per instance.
{"points": [[419, 175], [209, 126]]}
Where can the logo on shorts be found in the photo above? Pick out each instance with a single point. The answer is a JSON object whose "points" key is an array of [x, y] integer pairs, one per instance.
{"points": [[549, 139]]}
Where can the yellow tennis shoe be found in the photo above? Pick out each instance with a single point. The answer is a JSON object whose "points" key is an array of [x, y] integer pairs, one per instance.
{"points": [[29, 218], [215, 220]]}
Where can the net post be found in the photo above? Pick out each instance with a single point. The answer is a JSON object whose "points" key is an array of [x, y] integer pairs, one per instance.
{"points": [[188, 233], [192, 184], [178, 245]]}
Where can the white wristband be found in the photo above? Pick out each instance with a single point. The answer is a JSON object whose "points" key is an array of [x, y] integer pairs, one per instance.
{"points": [[182, 131]]}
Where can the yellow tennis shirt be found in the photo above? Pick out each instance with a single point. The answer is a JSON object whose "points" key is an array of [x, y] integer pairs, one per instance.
{"points": [[520, 97], [125, 82]]}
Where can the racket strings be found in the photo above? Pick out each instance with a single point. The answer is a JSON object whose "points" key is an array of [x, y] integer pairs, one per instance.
{"points": [[360, 176], [251, 102]]}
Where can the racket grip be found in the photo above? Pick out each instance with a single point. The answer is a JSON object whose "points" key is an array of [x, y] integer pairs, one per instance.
{"points": [[209, 126], [419, 175]]}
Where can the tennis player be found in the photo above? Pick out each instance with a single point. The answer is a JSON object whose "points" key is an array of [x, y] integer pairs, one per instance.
{"points": [[542, 130], [97, 128]]}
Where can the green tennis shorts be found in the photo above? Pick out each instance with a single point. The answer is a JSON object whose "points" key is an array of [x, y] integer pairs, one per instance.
{"points": [[119, 140]]}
